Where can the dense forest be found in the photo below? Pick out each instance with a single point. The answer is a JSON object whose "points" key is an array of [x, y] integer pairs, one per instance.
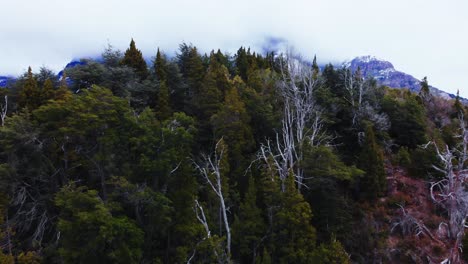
{"points": [[219, 158]]}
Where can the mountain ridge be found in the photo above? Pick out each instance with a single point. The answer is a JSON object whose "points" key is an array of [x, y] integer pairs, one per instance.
{"points": [[385, 73], [381, 70]]}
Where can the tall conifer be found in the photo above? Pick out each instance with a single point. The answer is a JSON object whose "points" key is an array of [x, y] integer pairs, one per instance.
{"points": [[134, 59]]}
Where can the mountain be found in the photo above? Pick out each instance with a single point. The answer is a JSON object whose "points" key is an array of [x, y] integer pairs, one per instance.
{"points": [[386, 74], [4, 80]]}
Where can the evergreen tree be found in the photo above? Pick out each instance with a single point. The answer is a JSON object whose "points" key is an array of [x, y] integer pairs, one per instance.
{"points": [[89, 232], [248, 227], [242, 63], [134, 59], [371, 160], [208, 99], [458, 107], [293, 235], [315, 68], [29, 95], [163, 108], [232, 123], [160, 67], [48, 92], [408, 119], [192, 69], [63, 93], [424, 92], [332, 253]]}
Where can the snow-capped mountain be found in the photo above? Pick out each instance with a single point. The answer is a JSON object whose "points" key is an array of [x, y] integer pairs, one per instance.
{"points": [[386, 74]]}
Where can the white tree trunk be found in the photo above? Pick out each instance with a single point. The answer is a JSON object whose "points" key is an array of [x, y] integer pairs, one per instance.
{"points": [[302, 122], [210, 169], [4, 110], [450, 192]]}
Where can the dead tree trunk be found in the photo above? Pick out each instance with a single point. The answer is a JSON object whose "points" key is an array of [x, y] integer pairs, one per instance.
{"points": [[4, 110], [450, 193], [210, 169], [302, 122]]}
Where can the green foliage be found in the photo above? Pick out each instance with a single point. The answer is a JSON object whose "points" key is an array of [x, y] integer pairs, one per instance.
{"points": [[327, 177], [407, 117], [6, 259], [293, 236], [371, 160], [47, 92], [152, 211], [332, 253], [134, 59], [28, 258], [192, 69], [29, 95], [422, 162], [163, 109], [322, 162], [89, 232], [403, 157], [111, 169], [249, 226]]}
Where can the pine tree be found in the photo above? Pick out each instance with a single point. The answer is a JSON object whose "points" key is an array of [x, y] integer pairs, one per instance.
{"points": [[89, 232], [160, 67], [293, 234], [371, 161], [458, 107], [63, 93], [315, 68], [208, 100], [134, 59], [424, 92], [232, 123], [192, 69], [163, 109], [242, 63], [48, 92], [248, 227], [29, 95]]}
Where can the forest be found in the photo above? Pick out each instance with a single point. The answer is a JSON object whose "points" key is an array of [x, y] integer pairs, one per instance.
{"points": [[221, 158]]}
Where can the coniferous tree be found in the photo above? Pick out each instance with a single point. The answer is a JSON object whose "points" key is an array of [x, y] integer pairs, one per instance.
{"points": [[89, 232], [192, 69], [371, 160], [242, 63], [232, 123], [315, 68], [424, 92], [293, 235], [248, 227], [133, 58], [48, 92], [29, 95], [63, 93], [458, 107], [163, 108]]}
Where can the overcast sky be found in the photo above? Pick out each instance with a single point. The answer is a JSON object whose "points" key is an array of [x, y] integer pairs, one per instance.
{"points": [[420, 37]]}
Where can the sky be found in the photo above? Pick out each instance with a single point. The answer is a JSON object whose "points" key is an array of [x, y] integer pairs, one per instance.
{"points": [[420, 37]]}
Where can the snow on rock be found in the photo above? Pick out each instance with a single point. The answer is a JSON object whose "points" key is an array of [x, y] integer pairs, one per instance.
{"points": [[386, 74]]}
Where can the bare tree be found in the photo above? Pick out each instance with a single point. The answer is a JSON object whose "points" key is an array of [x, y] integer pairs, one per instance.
{"points": [[210, 168], [359, 92], [302, 123], [4, 110], [450, 193], [200, 213], [355, 89]]}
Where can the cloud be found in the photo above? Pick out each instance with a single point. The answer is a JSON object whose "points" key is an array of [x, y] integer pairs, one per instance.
{"points": [[423, 38]]}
